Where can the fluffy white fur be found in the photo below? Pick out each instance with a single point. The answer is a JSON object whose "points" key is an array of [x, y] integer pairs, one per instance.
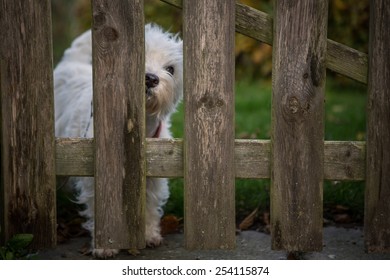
{"points": [[74, 115]]}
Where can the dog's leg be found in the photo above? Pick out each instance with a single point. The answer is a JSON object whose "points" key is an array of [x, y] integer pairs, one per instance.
{"points": [[157, 193]]}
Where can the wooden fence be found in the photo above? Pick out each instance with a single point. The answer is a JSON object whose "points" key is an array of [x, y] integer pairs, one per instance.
{"points": [[209, 158]]}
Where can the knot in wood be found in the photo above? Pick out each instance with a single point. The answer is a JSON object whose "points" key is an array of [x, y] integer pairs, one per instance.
{"points": [[99, 19], [293, 105], [209, 101], [110, 34]]}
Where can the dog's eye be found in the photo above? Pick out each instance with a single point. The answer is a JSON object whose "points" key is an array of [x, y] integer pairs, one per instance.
{"points": [[170, 70]]}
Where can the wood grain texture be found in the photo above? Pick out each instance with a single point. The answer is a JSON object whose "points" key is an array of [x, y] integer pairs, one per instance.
{"points": [[377, 199], [252, 159], [209, 124], [344, 160], [347, 61], [75, 157], [27, 122], [119, 123], [298, 78], [254, 23], [164, 158]]}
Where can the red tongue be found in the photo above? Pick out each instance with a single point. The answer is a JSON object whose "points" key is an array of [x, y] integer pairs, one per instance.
{"points": [[158, 130]]}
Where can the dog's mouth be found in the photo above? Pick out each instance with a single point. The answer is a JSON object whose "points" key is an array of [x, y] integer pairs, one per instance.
{"points": [[152, 103], [148, 93]]}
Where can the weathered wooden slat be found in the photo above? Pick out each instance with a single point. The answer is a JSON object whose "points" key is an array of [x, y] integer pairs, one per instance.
{"points": [[344, 160], [27, 116], [209, 124], [74, 157], [119, 123], [252, 159], [258, 25], [347, 61], [377, 200], [164, 158], [297, 124], [254, 23]]}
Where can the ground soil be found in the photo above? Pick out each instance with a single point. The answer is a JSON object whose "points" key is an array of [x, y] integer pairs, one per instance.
{"points": [[339, 244]]}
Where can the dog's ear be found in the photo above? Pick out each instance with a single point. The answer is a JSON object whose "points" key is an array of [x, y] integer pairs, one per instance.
{"points": [[174, 37], [180, 45]]}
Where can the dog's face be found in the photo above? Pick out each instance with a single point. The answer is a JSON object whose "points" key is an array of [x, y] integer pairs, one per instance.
{"points": [[163, 71]]}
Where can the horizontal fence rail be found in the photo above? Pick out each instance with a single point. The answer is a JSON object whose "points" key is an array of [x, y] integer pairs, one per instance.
{"points": [[343, 160]]}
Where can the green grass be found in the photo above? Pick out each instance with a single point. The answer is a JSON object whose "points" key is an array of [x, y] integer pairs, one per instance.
{"points": [[344, 120]]}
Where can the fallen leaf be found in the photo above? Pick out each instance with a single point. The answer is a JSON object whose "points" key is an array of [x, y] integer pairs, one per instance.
{"points": [[249, 220], [134, 252], [86, 249], [342, 218], [170, 224], [341, 208]]}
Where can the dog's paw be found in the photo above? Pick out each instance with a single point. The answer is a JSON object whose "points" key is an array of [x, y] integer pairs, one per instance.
{"points": [[154, 240], [104, 253]]}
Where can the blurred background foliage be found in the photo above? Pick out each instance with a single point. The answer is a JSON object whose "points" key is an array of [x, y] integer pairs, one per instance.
{"points": [[348, 24]]}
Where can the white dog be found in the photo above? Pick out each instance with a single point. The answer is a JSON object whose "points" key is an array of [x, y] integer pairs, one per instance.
{"points": [[73, 112]]}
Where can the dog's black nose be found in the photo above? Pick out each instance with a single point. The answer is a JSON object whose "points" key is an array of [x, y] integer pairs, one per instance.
{"points": [[151, 80]]}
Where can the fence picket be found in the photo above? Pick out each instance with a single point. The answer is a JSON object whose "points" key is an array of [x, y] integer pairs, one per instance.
{"points": [[209, 118], [119, 123], [377, 206], [27, 116], [297, 140]]}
